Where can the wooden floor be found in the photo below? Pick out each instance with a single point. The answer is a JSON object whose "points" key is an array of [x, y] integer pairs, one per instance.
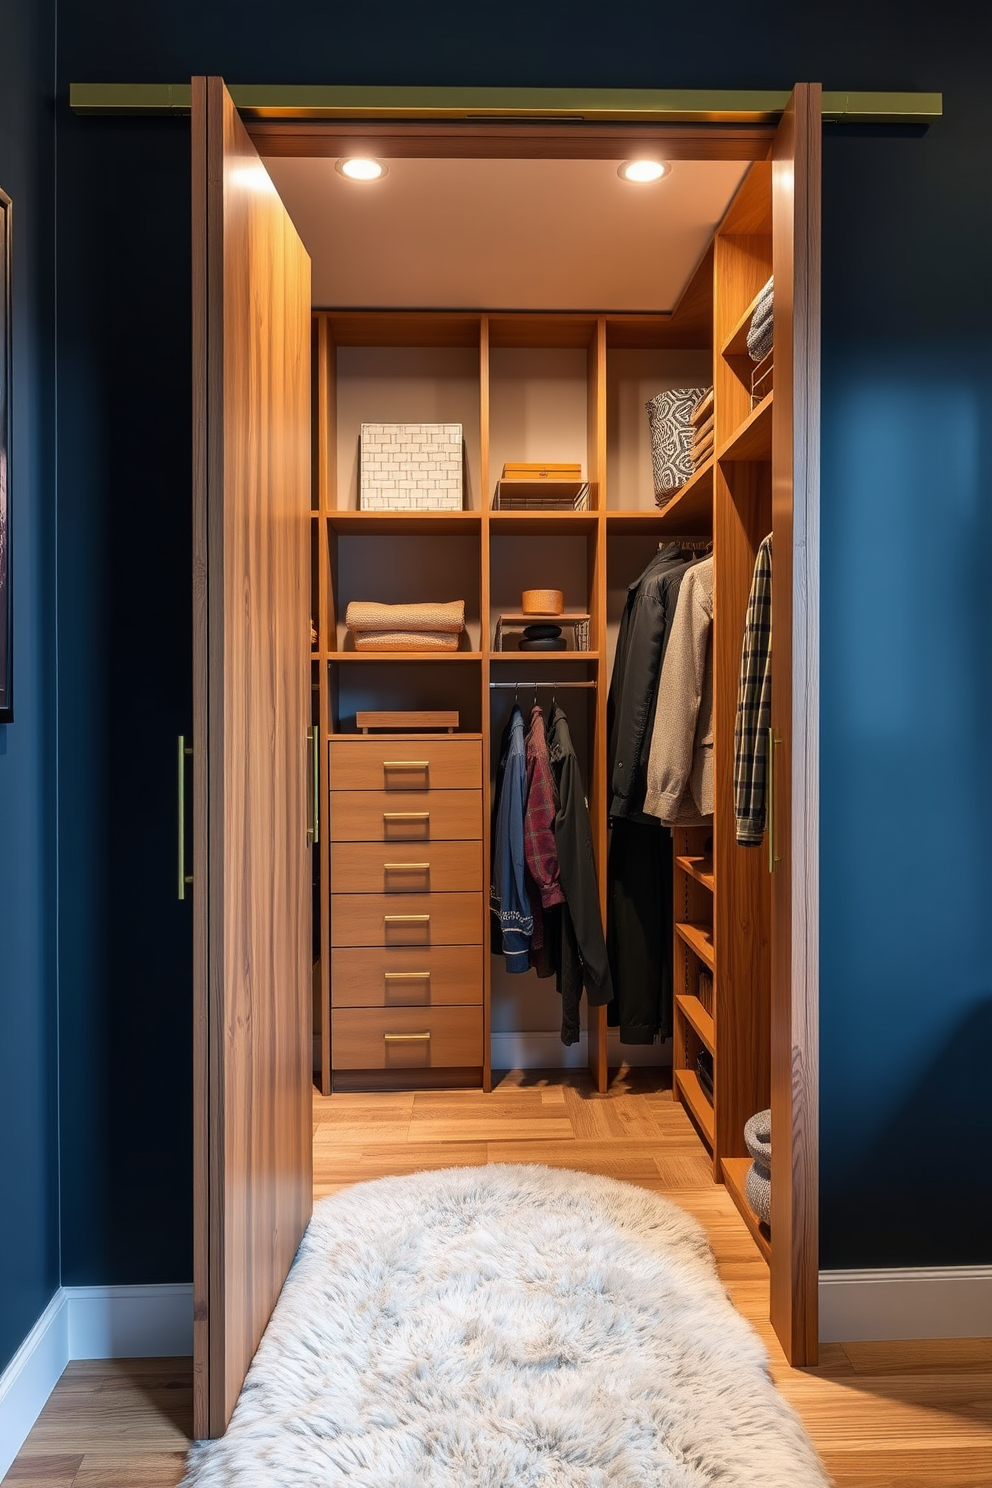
{"points": [[904, 1415]]}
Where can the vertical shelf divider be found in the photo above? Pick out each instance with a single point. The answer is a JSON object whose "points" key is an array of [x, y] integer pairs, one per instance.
{"points": [[596, 455], [325, 412], [485, 477]]}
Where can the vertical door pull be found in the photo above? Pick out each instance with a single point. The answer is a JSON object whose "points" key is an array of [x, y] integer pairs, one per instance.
{"points": [[773, 856], [313, 830], [183, 751]]}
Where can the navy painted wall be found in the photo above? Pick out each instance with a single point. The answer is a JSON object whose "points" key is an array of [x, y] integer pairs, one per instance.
{"points": [[907, 615], [28, 1030]]}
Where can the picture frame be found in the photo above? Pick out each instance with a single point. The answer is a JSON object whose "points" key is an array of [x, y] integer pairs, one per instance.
{"points": [[6, 426]]}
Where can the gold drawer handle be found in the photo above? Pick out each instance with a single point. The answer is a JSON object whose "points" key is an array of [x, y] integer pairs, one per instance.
{"points": [[407, 976], [406, 867], [406, 764], [406, 1038], [406, 919], [389, 816]]}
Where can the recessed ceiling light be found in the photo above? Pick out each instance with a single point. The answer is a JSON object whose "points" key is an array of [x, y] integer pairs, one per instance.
{"points": [[360, 168], [643, 170]]}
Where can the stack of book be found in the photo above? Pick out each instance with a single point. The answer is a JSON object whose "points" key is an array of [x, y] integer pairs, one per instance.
{"points": [[541, 487], [702, 439]]}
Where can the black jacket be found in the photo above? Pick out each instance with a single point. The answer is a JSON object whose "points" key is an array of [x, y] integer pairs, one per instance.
{"points": [[644, 628], [579, 944]]}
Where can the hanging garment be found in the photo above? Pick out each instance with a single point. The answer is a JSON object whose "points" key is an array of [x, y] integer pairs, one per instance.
{"points": [[680, 764], [544, 890], [580, 951], [508, 891], [754, 705], [643, 634], [639, 930]]}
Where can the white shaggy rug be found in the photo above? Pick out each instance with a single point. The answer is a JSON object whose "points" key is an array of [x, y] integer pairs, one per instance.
{"points": [[501, 1327]]}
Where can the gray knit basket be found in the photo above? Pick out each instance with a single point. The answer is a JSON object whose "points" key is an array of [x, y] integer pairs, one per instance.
{"points": [[670, 417], [758, 1183]]}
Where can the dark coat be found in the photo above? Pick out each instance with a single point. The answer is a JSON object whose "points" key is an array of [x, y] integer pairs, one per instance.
{"points": [[644, 628], [580, 945]]}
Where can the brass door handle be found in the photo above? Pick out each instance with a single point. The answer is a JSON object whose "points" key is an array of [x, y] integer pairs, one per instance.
{"points": [[773, 856], [313, 830], [184, 751]]}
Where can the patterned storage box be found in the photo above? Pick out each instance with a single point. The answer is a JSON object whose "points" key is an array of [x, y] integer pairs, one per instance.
{"points": [[411, 467]]}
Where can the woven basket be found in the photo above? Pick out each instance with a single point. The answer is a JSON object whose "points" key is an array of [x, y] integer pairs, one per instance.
{"points": [[405, 640], [367, 615], [542, 601]]}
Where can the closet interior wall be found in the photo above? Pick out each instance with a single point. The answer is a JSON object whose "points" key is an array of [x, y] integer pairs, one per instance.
{"points": [[558, 386]]}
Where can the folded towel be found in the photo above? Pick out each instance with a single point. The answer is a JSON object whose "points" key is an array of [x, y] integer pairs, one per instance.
{"points": [[703, 409], [366, 615], [702, 433], [405, 640], [702, 454]]}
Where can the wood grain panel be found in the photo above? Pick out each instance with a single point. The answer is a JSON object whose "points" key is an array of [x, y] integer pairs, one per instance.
{"points": [[252, 507], [362, 1038], [372, 868], [398, 976], [405, 762], [405, 816], [795, 720], [406, 919]]}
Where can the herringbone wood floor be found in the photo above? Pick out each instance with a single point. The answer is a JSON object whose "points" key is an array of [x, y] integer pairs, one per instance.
{"points": [[906, 1415]]}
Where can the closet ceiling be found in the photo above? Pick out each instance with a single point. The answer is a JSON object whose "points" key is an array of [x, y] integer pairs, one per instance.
{"points": [[504, 234]]}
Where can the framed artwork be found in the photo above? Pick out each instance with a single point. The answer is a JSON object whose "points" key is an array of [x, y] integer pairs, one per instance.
{"points": [[6, 571]]}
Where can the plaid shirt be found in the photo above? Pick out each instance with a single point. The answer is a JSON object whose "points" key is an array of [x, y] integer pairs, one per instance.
{"points": [[754, 705]]}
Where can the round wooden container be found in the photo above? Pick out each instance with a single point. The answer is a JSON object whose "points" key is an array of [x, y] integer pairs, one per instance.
{"points": [[542, 601]]}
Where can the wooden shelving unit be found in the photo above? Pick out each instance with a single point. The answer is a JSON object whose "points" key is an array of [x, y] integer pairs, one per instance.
{"points": [[734, 1176]]}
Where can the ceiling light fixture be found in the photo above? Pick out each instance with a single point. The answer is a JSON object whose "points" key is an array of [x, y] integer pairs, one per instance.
{"points": [[360, 168], [643, 170]]}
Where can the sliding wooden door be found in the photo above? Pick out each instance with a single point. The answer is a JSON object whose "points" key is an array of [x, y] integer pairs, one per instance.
{"points": [[251, 858], [795, 724]]}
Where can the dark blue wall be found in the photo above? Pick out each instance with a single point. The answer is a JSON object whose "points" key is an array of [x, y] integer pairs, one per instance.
{"points": [[28, 1029], [907, 800]]}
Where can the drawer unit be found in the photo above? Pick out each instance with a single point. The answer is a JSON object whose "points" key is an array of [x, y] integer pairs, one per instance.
{"points": [[405, 867], [406, 816], [405, 764], [401, 1039], [406, 919], [405, 976]]}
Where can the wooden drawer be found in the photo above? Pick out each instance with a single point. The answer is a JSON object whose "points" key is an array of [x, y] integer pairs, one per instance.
{"points": [[407, 764], [371, 868], [406, 919], [406, 816], [405, 976], [406, 1038]]}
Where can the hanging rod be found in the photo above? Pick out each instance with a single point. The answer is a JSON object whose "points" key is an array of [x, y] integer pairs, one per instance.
{"points": [[529, 685], [686, 542]]}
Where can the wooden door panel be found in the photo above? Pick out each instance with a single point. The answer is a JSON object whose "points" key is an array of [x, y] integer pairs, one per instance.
{"points": [[252, 862], [795, 723]]}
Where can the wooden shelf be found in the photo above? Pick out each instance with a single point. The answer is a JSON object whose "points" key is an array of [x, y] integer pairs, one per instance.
{"points": [[736, 343], [698, 1018], [734, 1170], [692, 1093], [545, 656], [699, 939], [377, 658], [404, 523], [540, 523], [753, 440], [690, 511], [701, 869]]}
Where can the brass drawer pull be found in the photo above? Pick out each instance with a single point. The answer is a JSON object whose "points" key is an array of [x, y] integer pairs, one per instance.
{"points": [[407, 976], [406, 867], [406, 919], [406, 1038], [389, 816], [406, 764]]}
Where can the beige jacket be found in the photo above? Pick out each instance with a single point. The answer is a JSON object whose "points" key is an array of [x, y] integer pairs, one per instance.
{"points": [[680, 764]]}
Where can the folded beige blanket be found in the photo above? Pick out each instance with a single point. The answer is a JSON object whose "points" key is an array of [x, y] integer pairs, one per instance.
{"points": [[702, 452], [405, 640], [367, 615]]}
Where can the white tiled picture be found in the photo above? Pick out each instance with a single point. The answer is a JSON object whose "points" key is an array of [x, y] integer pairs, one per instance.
{"points": [[411, 467]]}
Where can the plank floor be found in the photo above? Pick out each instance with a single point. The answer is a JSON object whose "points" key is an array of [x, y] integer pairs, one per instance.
{"points": [[882, 1415]]}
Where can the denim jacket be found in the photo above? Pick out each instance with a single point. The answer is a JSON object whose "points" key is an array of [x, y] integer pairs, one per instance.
{"points": [[508, 897]]}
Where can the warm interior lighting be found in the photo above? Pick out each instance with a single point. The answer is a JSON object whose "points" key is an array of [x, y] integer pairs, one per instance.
{"points": [[360, 169], [643, 170]]}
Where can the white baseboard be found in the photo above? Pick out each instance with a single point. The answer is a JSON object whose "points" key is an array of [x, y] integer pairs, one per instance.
{"points": [[546, 1051], [31, 1376], [924, 1302], [124, 1322]]}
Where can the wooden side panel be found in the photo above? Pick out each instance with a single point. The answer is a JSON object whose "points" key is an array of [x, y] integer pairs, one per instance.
{"points": [[795, 692], [253, 409]]}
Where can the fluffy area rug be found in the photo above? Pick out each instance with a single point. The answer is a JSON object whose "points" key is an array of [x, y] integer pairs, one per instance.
{"points": [[502, 1327]]}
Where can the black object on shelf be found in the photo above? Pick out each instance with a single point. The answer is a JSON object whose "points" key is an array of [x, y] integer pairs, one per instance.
{"points": [[704, 1069], [541, 632], [544, 643]]}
